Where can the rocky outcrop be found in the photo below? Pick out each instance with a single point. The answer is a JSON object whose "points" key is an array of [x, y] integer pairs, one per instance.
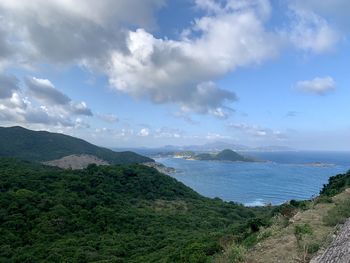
{"points": [[339, 249], [160, 167], [76, 161]]}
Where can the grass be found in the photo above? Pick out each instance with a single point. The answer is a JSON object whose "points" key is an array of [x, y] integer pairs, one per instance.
{"points": [[299, 230], [338, 214], [232, 254]]}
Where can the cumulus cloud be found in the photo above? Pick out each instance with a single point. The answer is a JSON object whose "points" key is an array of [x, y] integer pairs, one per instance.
{"points": [[92, 28], [8, 85], [182, 71], [44, 90], [81, 124], [114, 38], [144, 132], [18, 109], [80, 108], [318, 85], [47, 94], [40, 103]]}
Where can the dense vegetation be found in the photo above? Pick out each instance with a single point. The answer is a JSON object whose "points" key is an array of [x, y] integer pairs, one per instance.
{"points": [[45, 146], [341, 211], [225, 155], [336, 184], [123, 213]]}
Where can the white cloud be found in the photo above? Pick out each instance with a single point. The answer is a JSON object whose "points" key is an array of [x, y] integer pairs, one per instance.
{"points": [[80, 108], [41, 103], [45, 91], [39, 29], [257, 131], [113, 38], [46, 94], [318, 85], [311, 32], [81, 124], [182, 71], [144, 132], [217, 136], [166, 132], [333, 10]]}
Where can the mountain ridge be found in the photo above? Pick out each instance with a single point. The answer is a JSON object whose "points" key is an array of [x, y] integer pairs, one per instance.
{"points": [[44, 146]]}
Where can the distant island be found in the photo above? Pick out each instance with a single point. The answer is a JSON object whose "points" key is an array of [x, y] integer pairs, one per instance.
{"points": [[224, 155]]}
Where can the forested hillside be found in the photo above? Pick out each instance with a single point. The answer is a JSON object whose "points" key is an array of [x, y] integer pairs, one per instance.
{"points": [[128, 213], [45, 146]]}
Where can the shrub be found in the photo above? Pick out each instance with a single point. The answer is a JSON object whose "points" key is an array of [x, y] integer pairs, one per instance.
{"points": [[233, 254], [301, 230], [338, 214], [324, 199]]}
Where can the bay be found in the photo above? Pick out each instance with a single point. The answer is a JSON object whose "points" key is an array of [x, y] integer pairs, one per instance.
{"points": [[287, 175]]}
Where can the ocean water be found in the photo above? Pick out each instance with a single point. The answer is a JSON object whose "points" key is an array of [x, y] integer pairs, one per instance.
{"points": [[287, 176]]}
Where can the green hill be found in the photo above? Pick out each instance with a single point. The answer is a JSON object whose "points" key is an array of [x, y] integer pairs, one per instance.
{"points": [[45, 146], [225, 155], [125, 213]]}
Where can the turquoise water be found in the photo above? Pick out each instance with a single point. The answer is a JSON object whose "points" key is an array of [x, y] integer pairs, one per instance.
{"points": [[285, 178]]}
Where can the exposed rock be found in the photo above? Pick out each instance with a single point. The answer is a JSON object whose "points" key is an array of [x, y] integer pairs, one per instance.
{"points": [[76, 161], [339, 249], [160, 167]]}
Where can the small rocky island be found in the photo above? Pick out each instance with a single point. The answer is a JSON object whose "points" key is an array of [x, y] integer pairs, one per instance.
{"points": [[319, 164]]}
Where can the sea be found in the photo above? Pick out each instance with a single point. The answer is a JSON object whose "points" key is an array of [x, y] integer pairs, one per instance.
{"points": [[282, 177]]}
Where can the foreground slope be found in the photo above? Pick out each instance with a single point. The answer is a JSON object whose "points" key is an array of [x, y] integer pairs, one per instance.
{"points": [[45, 146], [303, 230], [123, 213]]}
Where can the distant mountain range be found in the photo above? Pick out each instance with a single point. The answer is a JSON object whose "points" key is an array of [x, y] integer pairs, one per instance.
{"points": [[46, 146]]}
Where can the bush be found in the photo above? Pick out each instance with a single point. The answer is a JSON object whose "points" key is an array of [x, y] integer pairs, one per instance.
{"points": [[324, 199], [303, 205], [338, 214], [336, 184], [233, 254], [302, 230], [313, 248]]}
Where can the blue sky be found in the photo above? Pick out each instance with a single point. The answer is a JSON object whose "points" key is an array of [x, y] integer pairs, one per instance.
{"points": [[152, 73]]}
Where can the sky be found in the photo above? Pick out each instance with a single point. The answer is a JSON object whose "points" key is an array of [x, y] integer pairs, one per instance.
{"points": [[128, 73]]}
